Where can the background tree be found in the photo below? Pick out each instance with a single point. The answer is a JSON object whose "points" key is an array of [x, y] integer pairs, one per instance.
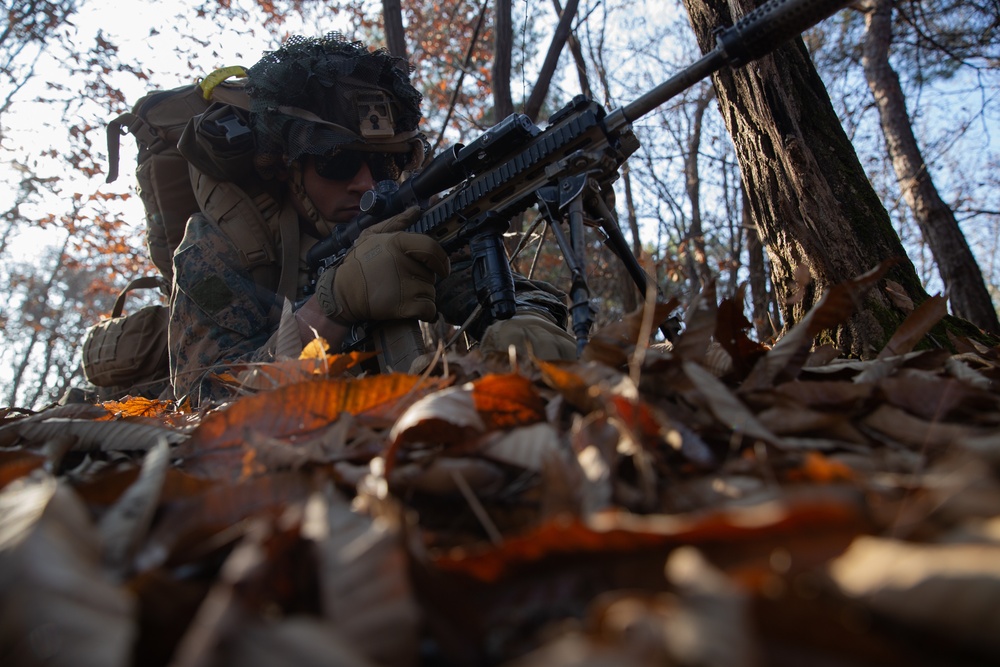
{"points": [[808, 194], [960, 272]]}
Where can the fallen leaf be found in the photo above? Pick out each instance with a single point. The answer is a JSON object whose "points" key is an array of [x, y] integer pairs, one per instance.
{"points": [[950, 590], [305, 407], [504, 401], [915, 326], [56, 607]]}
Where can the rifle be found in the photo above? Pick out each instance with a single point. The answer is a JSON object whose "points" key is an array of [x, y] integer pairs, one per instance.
{"points": [[567, 170]]}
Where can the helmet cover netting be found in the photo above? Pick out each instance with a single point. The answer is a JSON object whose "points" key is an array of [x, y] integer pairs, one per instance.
{"points": [[304, 100]]}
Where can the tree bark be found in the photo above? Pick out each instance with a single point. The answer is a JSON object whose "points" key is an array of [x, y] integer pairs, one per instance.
{"points": [[959, 270], [809, 195]]}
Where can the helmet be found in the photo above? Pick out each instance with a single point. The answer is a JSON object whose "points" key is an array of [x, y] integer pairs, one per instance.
{"points": [[321, 95]]}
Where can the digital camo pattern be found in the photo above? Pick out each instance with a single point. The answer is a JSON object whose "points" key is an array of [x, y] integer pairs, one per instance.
{"points": [[218, 315]]}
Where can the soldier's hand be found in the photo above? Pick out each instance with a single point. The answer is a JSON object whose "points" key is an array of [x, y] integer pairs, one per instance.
{"points": [[529, 331], [387, 275]]}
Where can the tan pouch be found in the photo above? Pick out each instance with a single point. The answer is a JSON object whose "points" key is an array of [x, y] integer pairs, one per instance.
{"points": [[128, 349]]}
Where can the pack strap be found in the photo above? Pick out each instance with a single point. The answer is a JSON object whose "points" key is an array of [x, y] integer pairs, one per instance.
{"points": [[124, 124], [251, 224], [146, 282]]}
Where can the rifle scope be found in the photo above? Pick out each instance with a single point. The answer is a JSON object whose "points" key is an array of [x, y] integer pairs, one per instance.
{"points": [[446, 170]]}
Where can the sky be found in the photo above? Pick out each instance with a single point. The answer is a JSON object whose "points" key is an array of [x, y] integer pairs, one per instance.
{"points": [[144, 33]]}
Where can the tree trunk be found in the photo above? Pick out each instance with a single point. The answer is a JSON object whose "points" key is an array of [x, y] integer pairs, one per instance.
{"points": [[395, 36], [959, 270], [759, 295], [503, 30], [692, 187], [577, 51], [809, 196], [559, 37]]}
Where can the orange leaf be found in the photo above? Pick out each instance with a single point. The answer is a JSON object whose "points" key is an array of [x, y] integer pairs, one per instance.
{"points": [[16, 464], [615, 532], [571, 385], [505, 401], [314, 349], [137, 406], [818, 468], [306, 406]]}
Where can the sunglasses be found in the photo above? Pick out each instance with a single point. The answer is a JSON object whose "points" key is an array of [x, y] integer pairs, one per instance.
{"points": [[345, 165]]}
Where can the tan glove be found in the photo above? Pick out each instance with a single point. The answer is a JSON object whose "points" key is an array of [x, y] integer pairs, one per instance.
{"points": [[529, 331], [387, 275]]}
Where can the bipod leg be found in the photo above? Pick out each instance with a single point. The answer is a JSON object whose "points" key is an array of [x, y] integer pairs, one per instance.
{"points": [[581, 312], [608, 220]]}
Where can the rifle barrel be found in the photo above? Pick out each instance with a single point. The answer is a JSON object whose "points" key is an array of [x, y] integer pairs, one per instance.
{"points": [[753, 36]]}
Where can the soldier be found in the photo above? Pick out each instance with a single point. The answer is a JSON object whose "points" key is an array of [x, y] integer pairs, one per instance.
{"points": [[328, 119]]}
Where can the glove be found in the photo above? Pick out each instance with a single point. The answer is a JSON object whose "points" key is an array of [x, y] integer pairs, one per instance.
{"points": [[387, 275], [529, 331]]}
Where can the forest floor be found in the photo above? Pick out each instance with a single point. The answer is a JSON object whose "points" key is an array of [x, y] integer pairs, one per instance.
{"points": [[720, 503]]}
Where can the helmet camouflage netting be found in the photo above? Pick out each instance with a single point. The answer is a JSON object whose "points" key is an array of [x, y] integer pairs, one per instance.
{"points": [[317, 95]]}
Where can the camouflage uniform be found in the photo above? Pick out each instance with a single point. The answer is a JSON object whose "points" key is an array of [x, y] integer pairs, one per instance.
{"points": [[218, 314], [312, 97], [220, 317]]}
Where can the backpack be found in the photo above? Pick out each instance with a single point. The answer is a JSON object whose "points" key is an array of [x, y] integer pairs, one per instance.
{"points": [[128, 353], [157, 121]]}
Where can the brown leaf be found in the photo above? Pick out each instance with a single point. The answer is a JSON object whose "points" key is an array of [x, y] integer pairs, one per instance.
{"points": [[573, 386], [16, 464], [126, 522], [726, 406], [934, 397], [56, 606], [269, 376], [731, 333], [803, 278], [699, 326], [527, 447], [915, 327], [950, 590], [613, 344], [108, 436], [189, 527], [905, 428], [898, 296], [786, 358], [448, 416], [365, 589]]}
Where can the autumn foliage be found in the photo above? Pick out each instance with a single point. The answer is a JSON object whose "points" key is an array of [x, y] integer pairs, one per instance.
{"points": [[718, 503]]}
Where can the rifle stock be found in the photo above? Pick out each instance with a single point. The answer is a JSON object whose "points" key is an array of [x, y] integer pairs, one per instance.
{"points": [[515, 165]]}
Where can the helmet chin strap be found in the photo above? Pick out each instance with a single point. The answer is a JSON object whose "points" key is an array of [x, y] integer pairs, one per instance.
{"points": [[296, 183]]}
